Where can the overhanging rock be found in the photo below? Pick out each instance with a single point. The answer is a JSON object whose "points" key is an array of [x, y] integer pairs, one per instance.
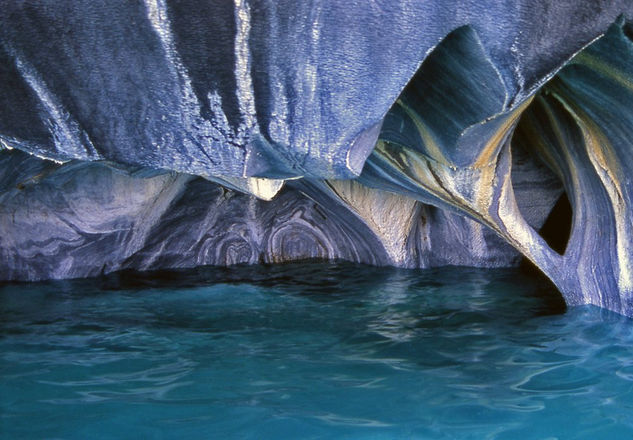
{"points": [[460, 124]]}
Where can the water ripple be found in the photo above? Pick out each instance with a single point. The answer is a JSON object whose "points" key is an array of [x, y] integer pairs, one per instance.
{"points": [[310, 351]]}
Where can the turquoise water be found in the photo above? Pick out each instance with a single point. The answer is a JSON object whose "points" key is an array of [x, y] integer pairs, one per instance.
{"points": [[311, 351]]}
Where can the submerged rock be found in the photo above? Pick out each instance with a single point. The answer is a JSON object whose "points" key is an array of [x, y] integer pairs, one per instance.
{"points": [[161, 128]]}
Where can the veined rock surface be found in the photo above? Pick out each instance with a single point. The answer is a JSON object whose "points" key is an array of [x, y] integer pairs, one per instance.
{"points": [[164, 133]]}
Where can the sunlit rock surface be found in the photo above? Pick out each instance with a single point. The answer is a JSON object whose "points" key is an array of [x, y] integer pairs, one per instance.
{"points": [[172, 133]]}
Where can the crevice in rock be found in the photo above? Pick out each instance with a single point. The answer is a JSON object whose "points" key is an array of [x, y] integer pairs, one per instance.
{"points": [[557, 228], [627, 30], [539, 191]]}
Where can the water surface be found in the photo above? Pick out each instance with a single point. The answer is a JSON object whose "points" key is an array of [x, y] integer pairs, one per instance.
{"points": [[311, 351]]}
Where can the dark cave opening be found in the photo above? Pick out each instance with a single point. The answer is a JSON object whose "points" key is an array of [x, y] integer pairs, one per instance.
{"points": [[556, 232], [541, 199], [627, 30], [557, 228]]}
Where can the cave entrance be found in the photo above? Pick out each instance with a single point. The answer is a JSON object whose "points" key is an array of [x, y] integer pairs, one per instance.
{"points": [[540, 193], [556, 232], [557, 227]]}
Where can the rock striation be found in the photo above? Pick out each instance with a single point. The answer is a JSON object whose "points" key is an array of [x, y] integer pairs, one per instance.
{"points": [[178, 133]]}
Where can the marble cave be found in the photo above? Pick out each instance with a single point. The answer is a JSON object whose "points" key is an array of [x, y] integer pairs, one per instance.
{"points": [[165, 134]]}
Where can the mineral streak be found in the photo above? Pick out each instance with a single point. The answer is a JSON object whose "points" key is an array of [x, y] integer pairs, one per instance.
{"points": [[177, 133]]}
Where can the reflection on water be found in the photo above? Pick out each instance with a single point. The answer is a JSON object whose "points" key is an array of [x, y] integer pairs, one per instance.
{"points": [[310, 351]]}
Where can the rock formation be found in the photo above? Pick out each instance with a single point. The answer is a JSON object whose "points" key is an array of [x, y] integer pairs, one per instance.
{"points": [[178, 133]]}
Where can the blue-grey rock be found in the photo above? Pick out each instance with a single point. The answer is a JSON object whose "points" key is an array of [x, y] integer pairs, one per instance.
{"points": [[147, 135], [580, 124], [83, 219], [257, 88]]}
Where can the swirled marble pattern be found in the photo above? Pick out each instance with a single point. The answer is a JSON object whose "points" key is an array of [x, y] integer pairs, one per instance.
{"points": [[414, 134], [83, 219]]}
